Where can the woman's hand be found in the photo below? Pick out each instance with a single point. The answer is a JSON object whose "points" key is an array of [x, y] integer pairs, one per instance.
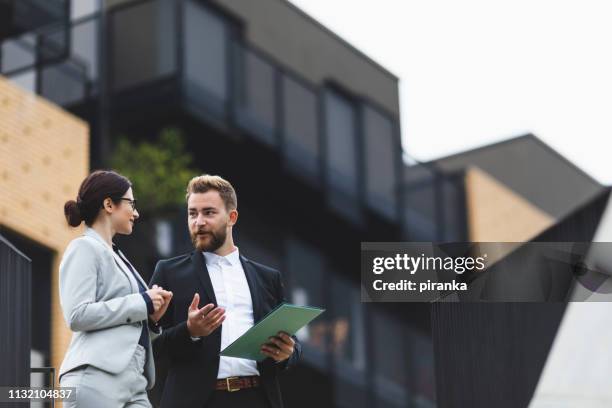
{"points": [[161, 299]]}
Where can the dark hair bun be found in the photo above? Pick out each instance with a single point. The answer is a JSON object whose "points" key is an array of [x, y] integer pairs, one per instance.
{"points": [[73, 213], [98, 186]]}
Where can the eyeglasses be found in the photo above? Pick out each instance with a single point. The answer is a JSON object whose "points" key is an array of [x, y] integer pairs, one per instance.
{"points": [[132, 202]]}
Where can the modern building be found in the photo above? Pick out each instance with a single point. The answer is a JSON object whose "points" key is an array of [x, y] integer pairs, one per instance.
{"points": [[508, 191], [304, 125]]}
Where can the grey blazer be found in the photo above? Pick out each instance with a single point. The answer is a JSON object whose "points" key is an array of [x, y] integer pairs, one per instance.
{"points": [[102, 306]]}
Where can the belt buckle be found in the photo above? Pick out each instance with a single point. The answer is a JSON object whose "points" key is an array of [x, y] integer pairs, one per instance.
{"points": [[227, 382]]}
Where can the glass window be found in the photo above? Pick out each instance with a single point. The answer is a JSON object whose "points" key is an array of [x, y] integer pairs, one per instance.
{"points": [[30, 15], [341, 154], [26, 80], [453, 218], [381, 153], [142, 43], [433, 205], [390, 361], [63, 83], [300, 130], [256, 95], [18, 53], [53, 43], [248, 234], [347, 342], [419, 204], [306, 267], [163, 237], [84, 44], [348, 337], [82, 8], [205, 58]]}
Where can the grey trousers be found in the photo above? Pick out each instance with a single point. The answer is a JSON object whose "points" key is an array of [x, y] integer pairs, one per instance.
{"points": [[96, 388]]}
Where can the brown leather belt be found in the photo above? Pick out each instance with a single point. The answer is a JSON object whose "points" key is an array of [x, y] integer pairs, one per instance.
{"points": [[232, 384]]}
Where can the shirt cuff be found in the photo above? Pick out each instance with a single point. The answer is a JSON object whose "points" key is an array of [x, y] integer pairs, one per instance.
{"points": [[149, 302], [155, 327]]}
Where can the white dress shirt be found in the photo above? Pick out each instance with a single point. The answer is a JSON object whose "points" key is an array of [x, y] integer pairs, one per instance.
{"points": [[232, 292]]}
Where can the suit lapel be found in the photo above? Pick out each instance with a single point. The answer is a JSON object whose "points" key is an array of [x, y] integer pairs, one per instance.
{"points": [[125, 271], [253, 281], [199, 266], [135, 271]]}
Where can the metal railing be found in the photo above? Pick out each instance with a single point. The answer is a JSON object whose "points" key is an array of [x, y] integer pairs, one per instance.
{"points": [[51, 372]]}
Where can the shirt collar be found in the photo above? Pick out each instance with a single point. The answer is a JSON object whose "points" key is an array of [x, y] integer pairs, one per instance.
{"points": [[233, 258]]}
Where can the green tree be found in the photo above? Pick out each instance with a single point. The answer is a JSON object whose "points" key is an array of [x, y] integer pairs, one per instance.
{"points": [[159, 171]]}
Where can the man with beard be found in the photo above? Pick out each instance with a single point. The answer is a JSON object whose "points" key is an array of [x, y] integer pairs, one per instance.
{"points": [[218, 295]]}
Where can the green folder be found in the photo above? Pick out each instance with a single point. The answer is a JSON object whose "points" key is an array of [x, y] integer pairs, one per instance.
{"points": [[285, 317]]}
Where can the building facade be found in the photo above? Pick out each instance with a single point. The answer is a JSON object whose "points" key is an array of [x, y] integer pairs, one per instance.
{"points": [[304, 125]]}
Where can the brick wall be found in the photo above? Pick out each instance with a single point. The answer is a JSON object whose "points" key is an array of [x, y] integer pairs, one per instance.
{"points": [[44, 156], [498, 214]]}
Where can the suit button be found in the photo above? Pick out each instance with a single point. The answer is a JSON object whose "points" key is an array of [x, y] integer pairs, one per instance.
{"points": [[129, 320]]}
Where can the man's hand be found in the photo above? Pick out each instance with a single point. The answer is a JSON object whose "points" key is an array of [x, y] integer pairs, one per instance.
{"points": [[161, 299], [202, 322], [279, 347]]}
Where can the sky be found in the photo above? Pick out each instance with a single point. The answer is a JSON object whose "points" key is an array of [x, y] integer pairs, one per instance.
{"points": [[474, 72]]}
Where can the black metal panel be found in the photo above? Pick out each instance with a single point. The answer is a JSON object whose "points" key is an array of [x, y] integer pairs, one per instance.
{"points": [[581, 224], [492, 354], [15, 300]]}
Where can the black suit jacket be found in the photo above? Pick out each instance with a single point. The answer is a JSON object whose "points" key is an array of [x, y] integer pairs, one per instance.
{"points": [[192, 367]]}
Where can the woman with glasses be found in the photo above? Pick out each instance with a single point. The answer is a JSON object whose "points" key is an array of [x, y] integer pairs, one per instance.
{"points": [[109, 308]]}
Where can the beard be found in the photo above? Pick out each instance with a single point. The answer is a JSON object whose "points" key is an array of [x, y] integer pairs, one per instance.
{"points": [[209, 241]]}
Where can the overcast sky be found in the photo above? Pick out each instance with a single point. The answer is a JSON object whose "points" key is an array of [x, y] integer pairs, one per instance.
{"points": [[474, 72]]}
